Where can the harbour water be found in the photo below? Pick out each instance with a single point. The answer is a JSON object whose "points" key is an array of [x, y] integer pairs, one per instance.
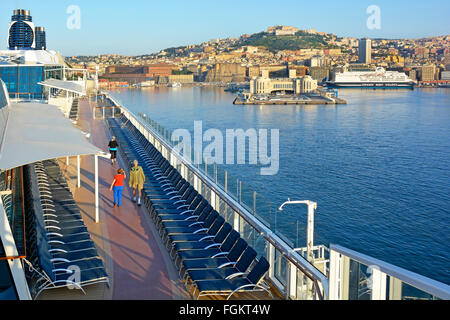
{"points": [[378, 167]]}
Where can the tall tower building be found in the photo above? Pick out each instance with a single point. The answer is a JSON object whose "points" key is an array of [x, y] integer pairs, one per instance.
{"points": [[21, 31], [40, 38], [365, 51]]}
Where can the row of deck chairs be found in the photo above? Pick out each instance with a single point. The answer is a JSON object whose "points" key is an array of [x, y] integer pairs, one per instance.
{"points": [[211, 257], [61, 252], [73, 115]]}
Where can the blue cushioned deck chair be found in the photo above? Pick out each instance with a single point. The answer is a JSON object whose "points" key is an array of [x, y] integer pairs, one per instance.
{"points": [[238, 270], [163, 212], [161, 202], [218, 239], [165, 191], [60, 236], [49, 227], [206, 227], [180, 223], [206, 223], [184, 250], [160, 189], [79, 250], [219, 260], [170, 219], [194, 208], [57, 272], [190, 203], [253, 282], [173, 204], [201, 234], [197, 218]]}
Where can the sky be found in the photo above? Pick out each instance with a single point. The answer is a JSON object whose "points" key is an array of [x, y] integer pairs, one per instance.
{"points": [[136, 27]]}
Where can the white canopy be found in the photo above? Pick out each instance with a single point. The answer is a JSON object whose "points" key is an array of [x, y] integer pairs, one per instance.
{"points": [[37, 132], [63, 85]]}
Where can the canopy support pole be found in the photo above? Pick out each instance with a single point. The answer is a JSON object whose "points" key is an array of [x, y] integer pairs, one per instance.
{"points": [[96, 190], [78, 172]]}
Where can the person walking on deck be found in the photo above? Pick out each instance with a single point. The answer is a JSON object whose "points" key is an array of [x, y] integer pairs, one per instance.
{"points": [[137, 179], [117, 187], [113, 149]]}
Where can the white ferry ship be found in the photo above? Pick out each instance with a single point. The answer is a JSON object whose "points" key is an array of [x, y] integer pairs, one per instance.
{"points": [[380, 78]]}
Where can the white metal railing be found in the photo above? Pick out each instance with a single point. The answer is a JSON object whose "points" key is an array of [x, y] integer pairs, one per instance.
{"points": [[297, 267], [14, 264], [355, 276]]}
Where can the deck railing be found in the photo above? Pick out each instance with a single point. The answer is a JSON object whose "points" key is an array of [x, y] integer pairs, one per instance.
{"points": [[355, 276]]}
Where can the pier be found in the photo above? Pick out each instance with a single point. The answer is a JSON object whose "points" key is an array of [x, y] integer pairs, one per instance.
{"points": [[303, 100]]}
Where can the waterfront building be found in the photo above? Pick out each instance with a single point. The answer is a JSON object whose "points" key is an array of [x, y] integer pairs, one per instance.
{"points": [[137, 74], [427, 72], [445, 75], [226, 72], [300, 70], [319, 73], [253, 71], [159, 69], [181, 78], [332, 52], [365, 51], [295, 85], [412, 74], [317, 61]]}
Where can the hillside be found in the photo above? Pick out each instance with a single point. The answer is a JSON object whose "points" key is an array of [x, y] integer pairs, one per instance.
{"points": [[275, 43]]}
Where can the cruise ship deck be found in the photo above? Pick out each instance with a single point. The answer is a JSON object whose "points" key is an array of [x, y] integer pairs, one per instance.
{"points": [[133, 257]]}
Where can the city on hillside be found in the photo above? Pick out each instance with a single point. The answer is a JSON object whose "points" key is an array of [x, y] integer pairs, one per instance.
{"points": [[278, 49]]}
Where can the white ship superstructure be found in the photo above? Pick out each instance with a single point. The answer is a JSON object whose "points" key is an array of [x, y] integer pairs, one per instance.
{"points": [[380, 78]]}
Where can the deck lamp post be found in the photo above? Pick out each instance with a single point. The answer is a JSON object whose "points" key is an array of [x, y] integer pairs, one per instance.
{"points": [[312, 206]]}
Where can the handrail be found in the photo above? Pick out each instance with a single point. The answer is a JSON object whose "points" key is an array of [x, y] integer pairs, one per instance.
{"points": [[23, 212], [13, 194], [290, 254], [101, 107], [433, 287]]}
